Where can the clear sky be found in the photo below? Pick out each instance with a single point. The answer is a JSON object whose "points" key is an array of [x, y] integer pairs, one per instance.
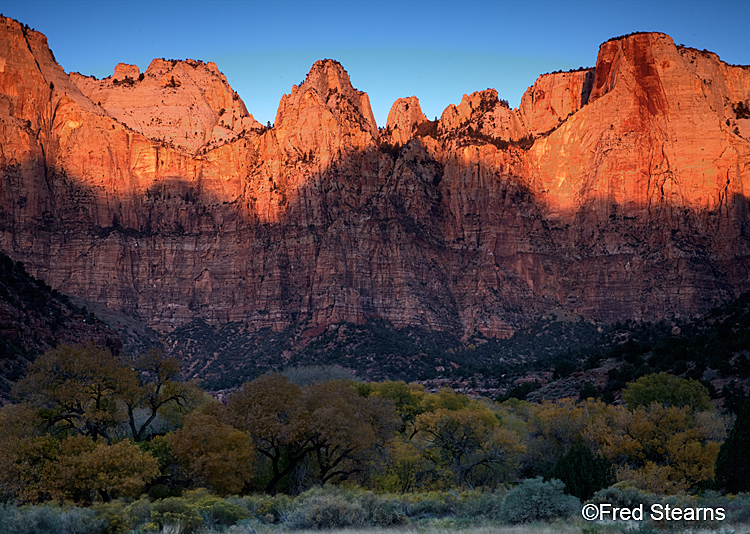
{"points": [[436, 50]]}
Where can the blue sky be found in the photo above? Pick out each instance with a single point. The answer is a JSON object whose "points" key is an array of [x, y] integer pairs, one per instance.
{"points": [[436, 50]]}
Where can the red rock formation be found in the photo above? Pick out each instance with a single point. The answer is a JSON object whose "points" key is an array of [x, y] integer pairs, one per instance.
{"points": [[553, 98], [649, 164], [404, 119], [482, 113], [631, 203], [183, 103]]}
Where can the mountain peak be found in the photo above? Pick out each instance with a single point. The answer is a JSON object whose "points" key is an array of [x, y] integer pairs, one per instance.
{"points": [[325, 74], [187, 103], [630, 203], [404, 118], [325, 113]]}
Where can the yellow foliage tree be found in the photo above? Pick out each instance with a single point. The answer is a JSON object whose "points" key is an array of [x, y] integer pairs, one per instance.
{"points": [[88, 391], [75, 390], [42, 468], [552, 428], [661, 448], [471, 442], [407, 468], [271, 409], [664, 449], [85, 469], [214, 454], [24, 465]]}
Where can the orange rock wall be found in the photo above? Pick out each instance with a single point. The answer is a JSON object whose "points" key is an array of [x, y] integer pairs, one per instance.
{"points": [[617, 192]]}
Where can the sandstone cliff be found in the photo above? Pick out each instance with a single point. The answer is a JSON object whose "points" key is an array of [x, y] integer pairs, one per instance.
{"points": [[186, 104], [404, 119], [617, 192], [553, 98], [654, 180]]}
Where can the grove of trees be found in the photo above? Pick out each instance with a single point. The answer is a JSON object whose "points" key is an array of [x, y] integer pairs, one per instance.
{"points": [[91, 427]]}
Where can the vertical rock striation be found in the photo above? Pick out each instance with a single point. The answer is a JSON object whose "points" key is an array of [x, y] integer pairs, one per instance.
{"points": [[617, 192]]}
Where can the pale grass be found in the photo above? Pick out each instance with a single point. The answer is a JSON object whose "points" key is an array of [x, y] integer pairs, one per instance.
{"points": [[432, 528], [572, 527]]}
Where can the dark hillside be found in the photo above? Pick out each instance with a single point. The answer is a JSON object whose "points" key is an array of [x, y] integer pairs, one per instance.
{"points": [[35, 317]]}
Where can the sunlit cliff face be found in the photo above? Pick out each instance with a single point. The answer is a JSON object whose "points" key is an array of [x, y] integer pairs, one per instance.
{"points": [[616, 192], [655, 132], [187, 104]]}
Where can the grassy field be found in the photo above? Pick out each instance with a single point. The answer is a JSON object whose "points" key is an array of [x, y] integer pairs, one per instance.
{"points": [[570, 527]]}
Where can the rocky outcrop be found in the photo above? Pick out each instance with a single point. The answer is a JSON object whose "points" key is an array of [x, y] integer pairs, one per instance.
{"points": [[404, 118], [482, 113], [324, 116], [618, 193], [553, 98], [186, 104]]}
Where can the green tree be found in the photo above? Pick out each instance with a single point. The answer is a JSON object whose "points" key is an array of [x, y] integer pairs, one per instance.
{"points": [[582, 472], [733, 461], [408, 399], [668, 390]]}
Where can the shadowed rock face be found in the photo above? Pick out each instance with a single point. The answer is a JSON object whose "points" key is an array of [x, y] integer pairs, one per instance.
{"points": [[617, 192]]}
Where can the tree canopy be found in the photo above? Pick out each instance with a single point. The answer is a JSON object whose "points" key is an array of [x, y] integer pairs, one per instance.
{"points": [[668, 390]]}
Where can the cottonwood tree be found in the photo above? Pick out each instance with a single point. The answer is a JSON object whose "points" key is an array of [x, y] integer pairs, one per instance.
{"points": [[42, 468], [85, 470], [346, 428], [88, 391], [215, 454], [552, 429], [327, 425], [663, 449], [471, 442], [156, 388], [271, 409], [75, 390], [408, 400], [407, 468]]}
